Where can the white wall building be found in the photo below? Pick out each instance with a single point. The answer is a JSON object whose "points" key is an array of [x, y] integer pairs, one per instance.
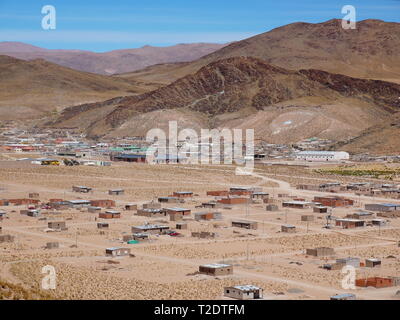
{"points": [[322, 155]]}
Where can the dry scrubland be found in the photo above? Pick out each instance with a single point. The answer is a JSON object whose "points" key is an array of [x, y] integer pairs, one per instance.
{"points": [[79, 283], [166, 267]]}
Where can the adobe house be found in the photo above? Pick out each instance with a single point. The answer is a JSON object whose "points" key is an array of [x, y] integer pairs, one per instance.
{"points": [[81, 189], [181, 226], [102, 203], [350, 223], [288, 228], [52, 245], [6, 238], [244, 224], [297, 204], [382, 207], [130, 207], [20, 202], [233, 200], [57, 225], [376, 282], [198, 216], [272, 207], [220, 193], [307, 218], [204, 235], [140, 236], [169, 200], [151, 205], [118, 252], [379, 222], [34, 195], [176, 210], [320, 252], [334, 201], [127, 237], [176, 217], [372, 263], [116, 192], [102, 225], [211, 205], [216, 269], [110, 214], [246, 292], [183, 194], [150, 228], [344, 296], [151, 213], [77, 204], [320, 209], [94, 209], [360, 215], [259, 195]]}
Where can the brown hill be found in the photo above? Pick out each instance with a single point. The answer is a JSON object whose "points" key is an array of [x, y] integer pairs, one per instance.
{"points": [[33, 88], [117, 61], [381, 139], [281, 105], [370, 51]]}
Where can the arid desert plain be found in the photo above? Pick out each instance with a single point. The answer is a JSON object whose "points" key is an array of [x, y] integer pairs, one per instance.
{"points": [[165, 266]]}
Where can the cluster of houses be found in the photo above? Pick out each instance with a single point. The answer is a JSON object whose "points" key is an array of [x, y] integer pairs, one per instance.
{"points": [[382, 190]]}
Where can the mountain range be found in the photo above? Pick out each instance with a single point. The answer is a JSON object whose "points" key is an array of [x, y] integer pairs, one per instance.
{"points": [[294, 82]]}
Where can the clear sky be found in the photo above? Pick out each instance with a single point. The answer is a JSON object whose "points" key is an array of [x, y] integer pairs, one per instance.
{"points": [[100, 25]]}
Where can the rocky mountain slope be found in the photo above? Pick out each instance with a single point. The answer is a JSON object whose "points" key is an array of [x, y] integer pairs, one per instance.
{"points": [[280, 104]]}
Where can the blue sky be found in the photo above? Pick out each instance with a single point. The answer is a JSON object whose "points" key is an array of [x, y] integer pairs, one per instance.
{"points": [[108, 25]]}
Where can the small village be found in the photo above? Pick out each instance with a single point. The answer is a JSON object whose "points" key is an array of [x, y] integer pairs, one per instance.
{"points": [[99, 212]]}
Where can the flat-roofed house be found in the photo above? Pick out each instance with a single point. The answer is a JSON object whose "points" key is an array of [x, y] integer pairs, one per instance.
{"points": [[131, 207], [102, 225], [152, 213], [288, 228], [376, 282], [234, 200], [116, 192], [260, 195], [177, 210], [297, 204], [78, 204], [320, 209], [110, 214], [272, 207], [350, 223], [151, 205], [57, 225], [243, 292], [207, 215], [183, 194], [216, 269], [320, 252], [218, 193], [245, 224], [334, 201], [169, 200], [382, 207], [372, 263], [81, 189], [118, 252], [307, 218], [94, 209], [150, 228], [361, 215], [103, 203]]}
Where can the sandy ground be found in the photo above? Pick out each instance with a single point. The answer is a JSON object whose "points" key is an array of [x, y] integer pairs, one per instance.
{"points": [[166, 267]]}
